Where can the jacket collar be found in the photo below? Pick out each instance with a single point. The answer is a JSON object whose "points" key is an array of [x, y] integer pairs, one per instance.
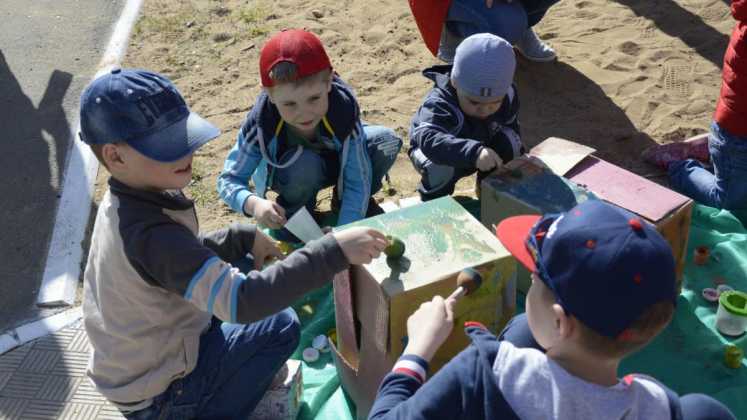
{"points": [[341, 119], [172, 200]]}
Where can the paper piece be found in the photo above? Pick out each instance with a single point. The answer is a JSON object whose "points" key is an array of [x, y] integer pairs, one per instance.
{"points": [[389, 206], [561, 155], [303, 226]]}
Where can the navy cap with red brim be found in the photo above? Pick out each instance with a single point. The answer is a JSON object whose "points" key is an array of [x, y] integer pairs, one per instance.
{"points": [[513, 233]]}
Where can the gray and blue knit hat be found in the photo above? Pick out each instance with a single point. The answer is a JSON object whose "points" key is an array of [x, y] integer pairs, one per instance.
{"points": [[484, 66]]}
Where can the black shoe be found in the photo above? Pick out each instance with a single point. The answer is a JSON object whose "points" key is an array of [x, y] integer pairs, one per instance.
{"points": [[374, 209]]}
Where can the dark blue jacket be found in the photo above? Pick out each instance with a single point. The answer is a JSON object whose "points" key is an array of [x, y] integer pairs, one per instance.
{"points": [[465, 388], [448, 137]]}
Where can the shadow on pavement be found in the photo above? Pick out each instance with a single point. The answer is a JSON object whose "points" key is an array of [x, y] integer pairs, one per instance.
{"points": [[33, 146]]}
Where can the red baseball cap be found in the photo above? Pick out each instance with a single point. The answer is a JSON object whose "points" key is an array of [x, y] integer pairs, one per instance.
{"points": [[297, 46], [513, 233]]}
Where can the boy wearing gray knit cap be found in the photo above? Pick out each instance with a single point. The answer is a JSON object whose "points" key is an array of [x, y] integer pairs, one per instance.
{"points": [[469, 121]]}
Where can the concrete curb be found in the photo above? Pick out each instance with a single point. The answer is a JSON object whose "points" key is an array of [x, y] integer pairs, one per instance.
{"points": [[33, 330], [62, 269]]}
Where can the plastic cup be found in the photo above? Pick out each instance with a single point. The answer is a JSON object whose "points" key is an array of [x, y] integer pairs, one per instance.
{"points": [[731, 316]]}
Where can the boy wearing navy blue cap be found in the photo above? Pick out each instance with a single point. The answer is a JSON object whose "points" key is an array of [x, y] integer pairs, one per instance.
{"points": [[177, 330], [603, 286], [469, 121]]}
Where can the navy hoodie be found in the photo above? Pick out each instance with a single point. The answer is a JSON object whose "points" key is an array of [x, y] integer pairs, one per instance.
{"points": [[447, 136], [465, 388]]}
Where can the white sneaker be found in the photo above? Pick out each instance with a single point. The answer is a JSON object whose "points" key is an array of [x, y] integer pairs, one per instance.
{"points": [[531, 47]]}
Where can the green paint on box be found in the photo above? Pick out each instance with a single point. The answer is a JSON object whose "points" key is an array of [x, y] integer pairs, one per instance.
{"points": [[440, 238]]}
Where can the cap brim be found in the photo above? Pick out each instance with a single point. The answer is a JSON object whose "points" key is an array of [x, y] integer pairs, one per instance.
{"points": [[513, 233], [177, 140]]}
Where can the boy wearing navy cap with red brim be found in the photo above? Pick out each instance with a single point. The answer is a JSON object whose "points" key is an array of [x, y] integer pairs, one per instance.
{"points": [[603, 286], [176, 329]]}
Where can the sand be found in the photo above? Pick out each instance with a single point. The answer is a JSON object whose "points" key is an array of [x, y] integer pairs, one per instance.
{"points": [[630, 73]]}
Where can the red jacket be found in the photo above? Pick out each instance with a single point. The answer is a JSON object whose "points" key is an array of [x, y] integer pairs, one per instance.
{"points": [[430, 16], [731, 110]]}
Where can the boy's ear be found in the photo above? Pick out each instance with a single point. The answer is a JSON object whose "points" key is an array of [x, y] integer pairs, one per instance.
{"points": [[112, 156], [329, 82], [269, 94], [563, 323]]}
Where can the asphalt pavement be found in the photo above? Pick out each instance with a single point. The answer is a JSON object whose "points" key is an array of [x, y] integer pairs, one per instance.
{"points": [[49, 50]]}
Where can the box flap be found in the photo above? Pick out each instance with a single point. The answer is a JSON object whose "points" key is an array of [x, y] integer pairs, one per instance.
{"points": [[561, 155], [626, 189]]}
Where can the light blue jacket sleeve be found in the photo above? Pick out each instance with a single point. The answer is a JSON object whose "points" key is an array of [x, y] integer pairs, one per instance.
{"points": [[242, 161], [356, 178]]}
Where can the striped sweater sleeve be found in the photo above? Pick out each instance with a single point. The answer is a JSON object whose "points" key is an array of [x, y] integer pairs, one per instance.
{"points": [[169, 256]]}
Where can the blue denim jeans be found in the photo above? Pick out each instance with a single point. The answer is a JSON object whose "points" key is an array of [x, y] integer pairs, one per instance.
{"points": [[235, 366], [725, 188], [507, 20], [693, 406], [299, 184]]}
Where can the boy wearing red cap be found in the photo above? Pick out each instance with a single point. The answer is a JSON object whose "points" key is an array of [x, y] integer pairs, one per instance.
{"points": [[603, 286], [304, 134]]}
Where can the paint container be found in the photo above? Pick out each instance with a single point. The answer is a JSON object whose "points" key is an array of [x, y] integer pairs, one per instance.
{"points": [[310, 355], [710, 294], [733, 356], [700, 255], [723, 288], [320, 342], [731, 316]]}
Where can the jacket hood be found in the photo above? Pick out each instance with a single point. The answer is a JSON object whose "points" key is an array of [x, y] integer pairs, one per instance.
{"points": [[440, 75]]}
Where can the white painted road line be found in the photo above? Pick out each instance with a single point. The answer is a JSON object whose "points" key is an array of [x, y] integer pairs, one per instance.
{"points": [[62, 269]]}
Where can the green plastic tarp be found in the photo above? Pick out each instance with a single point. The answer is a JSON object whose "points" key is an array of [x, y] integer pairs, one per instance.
{"points": [[687, 356]]}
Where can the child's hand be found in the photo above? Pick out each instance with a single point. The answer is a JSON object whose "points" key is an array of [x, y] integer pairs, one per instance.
{"points": [[488, 160], [264, 250], [360, 244], [267, 212], [429, 327]]}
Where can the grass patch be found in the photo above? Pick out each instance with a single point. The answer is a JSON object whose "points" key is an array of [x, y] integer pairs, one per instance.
{"points": [[253, 17], [164, 25], [201, 189]]}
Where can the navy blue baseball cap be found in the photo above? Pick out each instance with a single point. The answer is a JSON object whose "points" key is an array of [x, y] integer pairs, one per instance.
{"points": [[145, 110], [604, 265]]}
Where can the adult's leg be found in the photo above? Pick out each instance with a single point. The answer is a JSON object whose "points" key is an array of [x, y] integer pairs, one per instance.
{"points": [[536, 10], [724, 188], [469, 17], [703, 407], [383, 147]]}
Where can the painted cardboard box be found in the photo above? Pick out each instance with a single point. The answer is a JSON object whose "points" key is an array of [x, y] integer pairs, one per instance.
{"points": [[559, 173], [373, 302]]}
